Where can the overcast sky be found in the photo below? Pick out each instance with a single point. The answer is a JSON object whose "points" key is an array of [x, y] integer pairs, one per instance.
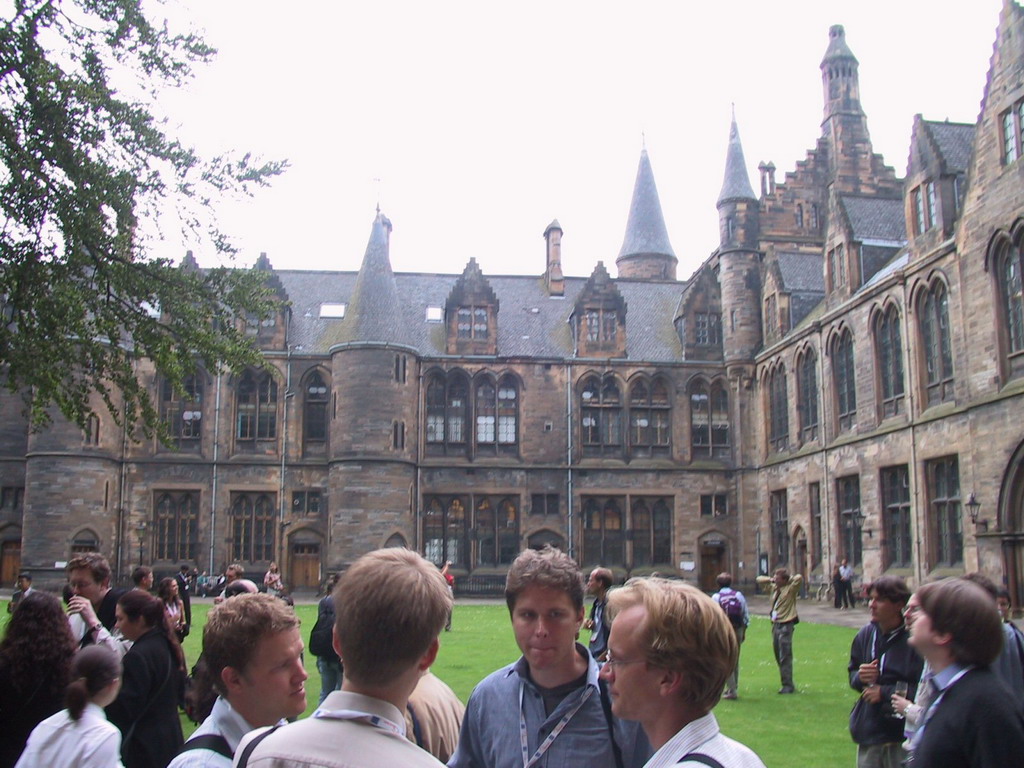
{"points": [[485, 121]]}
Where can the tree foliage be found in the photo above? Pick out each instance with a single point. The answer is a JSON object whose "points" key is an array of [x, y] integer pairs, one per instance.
{"points": [[86, 171]]}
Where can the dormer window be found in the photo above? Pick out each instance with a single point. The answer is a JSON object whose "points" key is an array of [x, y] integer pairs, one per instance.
{"points": [[601, 325], [472, 323]]}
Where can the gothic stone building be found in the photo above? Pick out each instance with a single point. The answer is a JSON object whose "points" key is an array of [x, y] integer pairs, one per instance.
{"points": [[842, 377]]}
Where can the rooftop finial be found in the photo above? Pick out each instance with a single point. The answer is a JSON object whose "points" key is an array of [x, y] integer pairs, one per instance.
{"points": [[643, 139]]}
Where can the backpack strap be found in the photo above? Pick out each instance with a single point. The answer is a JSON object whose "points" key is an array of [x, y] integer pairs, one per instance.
{"points": [[698, 757], [417, 729], [606, 705], [242, 761], [211, 741]]}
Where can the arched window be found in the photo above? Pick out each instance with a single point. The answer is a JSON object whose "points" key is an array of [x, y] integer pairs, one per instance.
{"points": [[177, 525], [778, 406], [649, 418], [709, 420], [257, 407], [444, 530], [603, 532], [496, 411], [508, 413], [496, 527], [640, 517], [252, 527], [182, 412], [935, 338], [889, 346], [807, 391], [845, 381], [485, 410], [1009, 268], [447, 413], [91, 436], [315, 410], [601, 417]]}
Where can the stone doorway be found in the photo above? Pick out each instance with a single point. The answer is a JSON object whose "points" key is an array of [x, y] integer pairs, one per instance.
{"points": [[305, 566], [712, 561], [10, 562]]}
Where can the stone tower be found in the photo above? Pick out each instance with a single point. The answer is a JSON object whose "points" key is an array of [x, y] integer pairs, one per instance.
{"points": [[373, 419], [646, 252], [739, 264]]}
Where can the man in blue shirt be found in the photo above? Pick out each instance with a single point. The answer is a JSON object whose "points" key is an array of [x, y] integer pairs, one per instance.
{"points": [[548, 707], [735, 606]]}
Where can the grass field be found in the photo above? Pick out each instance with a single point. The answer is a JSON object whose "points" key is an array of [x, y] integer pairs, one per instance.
{"points": [[807, 730]]}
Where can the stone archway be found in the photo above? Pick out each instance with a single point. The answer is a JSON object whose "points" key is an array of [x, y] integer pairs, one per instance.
{"points": [[1011, 525]]}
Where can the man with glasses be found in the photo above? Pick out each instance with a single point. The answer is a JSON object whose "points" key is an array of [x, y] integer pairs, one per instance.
{"points": [[880, 659], [548, 707], [670, 652]]}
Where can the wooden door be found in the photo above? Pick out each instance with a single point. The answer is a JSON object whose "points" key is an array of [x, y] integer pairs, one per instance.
{"points": [[305, 567], [712, 563], [10, 562]]}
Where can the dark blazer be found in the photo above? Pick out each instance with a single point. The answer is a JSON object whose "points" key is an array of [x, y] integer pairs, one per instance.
{"points": [[185, 594], [21, 711], [873, 723], [146, 710], [977, 724]]}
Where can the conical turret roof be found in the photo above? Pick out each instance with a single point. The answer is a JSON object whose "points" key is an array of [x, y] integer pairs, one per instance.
{"points": [[375, 312], [736, 185], [645, 228], [837, 47]]}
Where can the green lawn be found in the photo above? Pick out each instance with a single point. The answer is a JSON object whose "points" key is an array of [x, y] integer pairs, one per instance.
{"points": [[808, 730]]}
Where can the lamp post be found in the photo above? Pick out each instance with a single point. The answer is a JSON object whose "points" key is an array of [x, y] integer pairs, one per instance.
{"points": [[973, 507]]}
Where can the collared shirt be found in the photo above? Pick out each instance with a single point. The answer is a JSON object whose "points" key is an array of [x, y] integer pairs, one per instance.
{"points": [[704, 737], [845, 572], [490, 729], [60, 742], [224, 721], [329, 742], [783, 597]]}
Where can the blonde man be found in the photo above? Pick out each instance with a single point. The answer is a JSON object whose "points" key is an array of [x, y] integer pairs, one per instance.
{"points": [[391, 606], [252, 658], [670, 652]]}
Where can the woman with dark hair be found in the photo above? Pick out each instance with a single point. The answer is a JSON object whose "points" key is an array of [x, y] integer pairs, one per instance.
{"points": [[146, 710], [80, 736], [167, 591], [35, 664]]}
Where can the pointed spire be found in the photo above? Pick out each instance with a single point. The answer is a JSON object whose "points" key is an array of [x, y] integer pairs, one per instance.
{"points": [[646, 234], [375, 312], [736, 185]]}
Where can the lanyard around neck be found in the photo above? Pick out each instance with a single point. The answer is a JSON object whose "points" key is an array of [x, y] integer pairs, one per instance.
{"points": [[377, 721], [529, 762]]}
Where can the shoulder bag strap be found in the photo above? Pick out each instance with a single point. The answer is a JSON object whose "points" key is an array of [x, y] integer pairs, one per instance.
{"points": [[242, 761], [606, 705], [211, 741], [697, 757]]}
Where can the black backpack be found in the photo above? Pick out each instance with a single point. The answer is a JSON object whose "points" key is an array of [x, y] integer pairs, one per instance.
{"points": [[321, 637]]}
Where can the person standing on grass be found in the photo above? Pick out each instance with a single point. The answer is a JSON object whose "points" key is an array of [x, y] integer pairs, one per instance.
{"points": [[252, 658], [846, 580], [598, 584], [670, 652], [24, 589], [879, 658], [734, 604], [548, 708], [785, 590], [973, 721]]}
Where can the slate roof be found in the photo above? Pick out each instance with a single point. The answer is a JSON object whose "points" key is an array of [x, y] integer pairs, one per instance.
{"points": [[954, 142], [736, 184], [645, 228], [898, 262], [874, 218], [530, 323], [802, 272]]}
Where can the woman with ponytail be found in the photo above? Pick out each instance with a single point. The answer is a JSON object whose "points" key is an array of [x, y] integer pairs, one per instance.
{"points": [[146, 710], [80, 736]]}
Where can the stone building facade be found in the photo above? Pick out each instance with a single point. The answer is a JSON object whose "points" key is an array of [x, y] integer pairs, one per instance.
{"points": [[842, 377]]}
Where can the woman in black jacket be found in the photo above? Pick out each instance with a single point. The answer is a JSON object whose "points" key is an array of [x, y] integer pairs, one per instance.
{"points": [[146, 710]]}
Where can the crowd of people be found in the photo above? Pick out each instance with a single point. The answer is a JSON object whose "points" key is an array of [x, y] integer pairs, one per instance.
{"points": [[99, 682]]}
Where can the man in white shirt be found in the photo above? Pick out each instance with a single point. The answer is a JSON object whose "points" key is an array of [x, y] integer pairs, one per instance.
{"points": [[670, 652], [390, 606], [252, 656]]}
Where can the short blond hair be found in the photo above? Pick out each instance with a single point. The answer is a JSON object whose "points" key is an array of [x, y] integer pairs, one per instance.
{"points": [[390, 606], [235, 628], [686, 631]]}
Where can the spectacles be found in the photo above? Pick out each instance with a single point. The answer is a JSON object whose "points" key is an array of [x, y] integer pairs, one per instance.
{"points": [[910, 610], [612, 663]]}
